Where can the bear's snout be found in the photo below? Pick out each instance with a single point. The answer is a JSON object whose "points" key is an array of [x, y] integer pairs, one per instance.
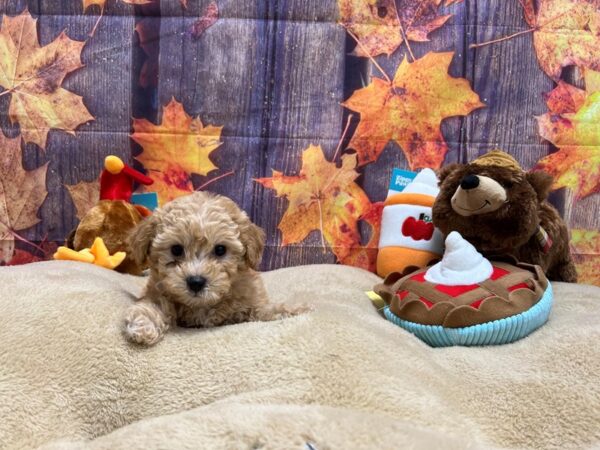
{"points": [[478, 194]]}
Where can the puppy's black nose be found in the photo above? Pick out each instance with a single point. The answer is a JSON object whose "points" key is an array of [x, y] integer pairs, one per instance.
{"points": [[469, 182], [195, 283]]}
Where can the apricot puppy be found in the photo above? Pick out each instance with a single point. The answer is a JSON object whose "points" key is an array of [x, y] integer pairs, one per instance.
{"points": [[203, 252]]}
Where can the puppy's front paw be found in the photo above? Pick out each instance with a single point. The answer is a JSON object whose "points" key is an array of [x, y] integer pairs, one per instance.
{"points": [[281, 311], [143, 328], [294, 310], [303, 308]]}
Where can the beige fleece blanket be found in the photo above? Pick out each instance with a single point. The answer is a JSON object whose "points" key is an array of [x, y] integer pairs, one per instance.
{"points": [[340, 377]]}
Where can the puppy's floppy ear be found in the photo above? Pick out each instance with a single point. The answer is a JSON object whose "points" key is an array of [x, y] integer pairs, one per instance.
{"points": [[141, 237], [253, 238], [447, 170], [541, 182]]}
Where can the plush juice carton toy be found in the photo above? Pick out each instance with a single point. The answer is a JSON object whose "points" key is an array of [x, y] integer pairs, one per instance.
{"points": [[408, 238]]}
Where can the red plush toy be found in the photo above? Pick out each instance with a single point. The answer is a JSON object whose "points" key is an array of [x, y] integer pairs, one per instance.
{"points": [[116, 180]]}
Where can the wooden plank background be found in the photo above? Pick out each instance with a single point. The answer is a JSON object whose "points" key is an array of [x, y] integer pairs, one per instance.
{"points": [[274, 73], [264, 73], [104, 83]]}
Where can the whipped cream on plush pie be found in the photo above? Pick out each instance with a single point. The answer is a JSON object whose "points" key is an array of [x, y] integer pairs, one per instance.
{"points": [[461, 264]]}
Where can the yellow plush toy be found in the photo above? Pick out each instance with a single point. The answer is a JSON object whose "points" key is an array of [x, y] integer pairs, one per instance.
{"points": [[98, 255]]}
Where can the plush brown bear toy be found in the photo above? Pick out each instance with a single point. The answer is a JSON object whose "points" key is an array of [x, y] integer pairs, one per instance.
{"points": [[502, 210]]}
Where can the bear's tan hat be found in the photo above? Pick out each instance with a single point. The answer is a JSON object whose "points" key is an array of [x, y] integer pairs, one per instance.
{"points": [[497, 158]]}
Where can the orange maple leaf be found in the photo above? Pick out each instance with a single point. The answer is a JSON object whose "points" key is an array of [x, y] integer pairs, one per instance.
{"points": [[175, 149], [365, 257], [85, 195], [410, 111], [573, 125], [566, 32], [379, 28], [322, 197], [21, 195], [32, 75], [585, 248]]}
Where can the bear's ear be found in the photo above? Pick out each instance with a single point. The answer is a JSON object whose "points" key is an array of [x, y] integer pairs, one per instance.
{"points": [[447, 170], [541, 182]]}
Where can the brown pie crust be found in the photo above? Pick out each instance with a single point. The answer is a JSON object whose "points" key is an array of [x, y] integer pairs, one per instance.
{"points": [[518, 287]]}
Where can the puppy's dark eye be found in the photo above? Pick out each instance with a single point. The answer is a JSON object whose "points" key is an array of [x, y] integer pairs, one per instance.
{"points": [[507, 184], [177, 250], [220, 250]]}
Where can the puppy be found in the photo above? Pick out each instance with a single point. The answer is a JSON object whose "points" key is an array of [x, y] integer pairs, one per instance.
{"points": [[203, 252]]}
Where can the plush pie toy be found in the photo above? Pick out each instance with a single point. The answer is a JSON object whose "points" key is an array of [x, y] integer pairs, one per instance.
{"points": [[466, 299]]}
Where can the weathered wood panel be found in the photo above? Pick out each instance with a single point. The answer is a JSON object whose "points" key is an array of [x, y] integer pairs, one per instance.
{"points": [[449, 38], [306, 89], [104, 83], [221, 76], [264, 73], [583, 213], [509, 80], [508, 77]]}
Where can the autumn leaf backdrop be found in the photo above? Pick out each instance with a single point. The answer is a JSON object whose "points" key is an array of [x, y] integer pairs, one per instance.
{"points": [[296, 109]]}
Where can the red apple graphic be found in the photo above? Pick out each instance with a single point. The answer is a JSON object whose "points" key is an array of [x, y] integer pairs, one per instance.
{"points": [[417, 229]]}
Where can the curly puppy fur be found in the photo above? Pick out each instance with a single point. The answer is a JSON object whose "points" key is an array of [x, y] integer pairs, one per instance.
{"points": [[203, 252], [511, 228]]}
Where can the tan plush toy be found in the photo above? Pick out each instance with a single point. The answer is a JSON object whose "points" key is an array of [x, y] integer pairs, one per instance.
{"points": [[112, 221], [101, 236]]}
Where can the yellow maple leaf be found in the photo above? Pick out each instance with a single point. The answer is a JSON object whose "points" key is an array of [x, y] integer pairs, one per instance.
{"points": [[585, 247], [379, 25], [85, 195], [567, 32], [322, 197], [21, 194], [410, 111], [573, 125], [32, 75], [174, 150]]}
